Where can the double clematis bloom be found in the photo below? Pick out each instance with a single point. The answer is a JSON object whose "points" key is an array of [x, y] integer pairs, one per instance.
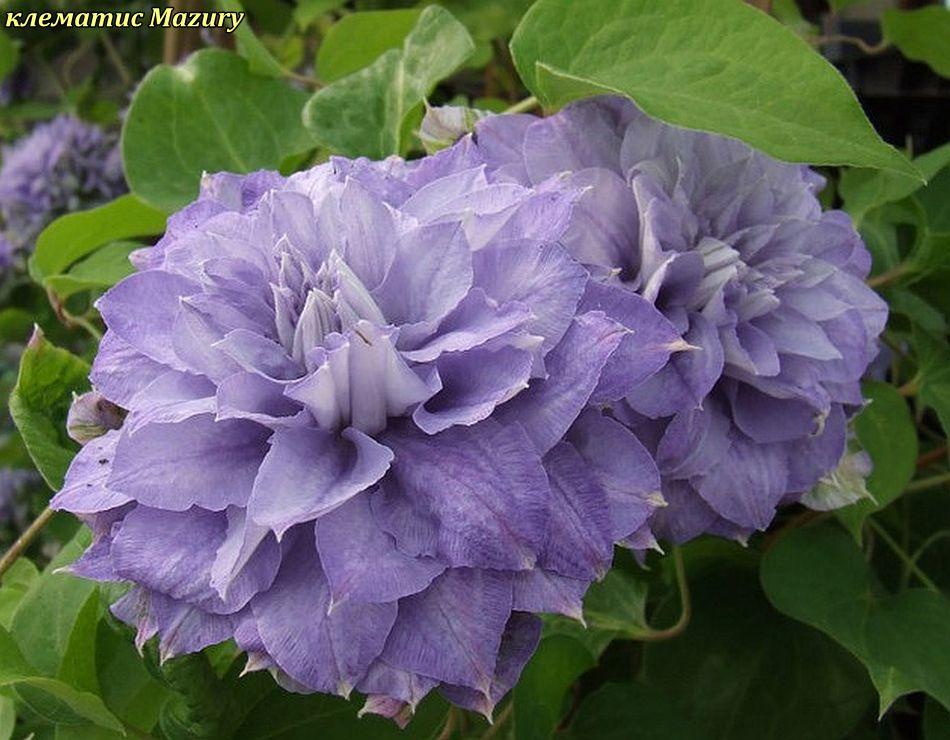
{"points": [[348, 398], [733, 248], [61, 166]]}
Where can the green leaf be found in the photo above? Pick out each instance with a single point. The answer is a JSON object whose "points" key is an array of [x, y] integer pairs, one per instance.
{"points": [[275, 714], [54, 700], [7, 717], [539, 695], [487, 19], [818, 576], [16, 582], [101, 269], [61, 704], [919, 311], [259, 59], [632, 711], [127, 687], [910, 631], [46, 620], [365, 113], [357, 40], [614, 609], [210, 114], [40, 401], [935, 200], [741, 670], [712, 65], [307, 11], [933, 357], [9, 55], [864, 190], [75, 235], [921, 35], [886, 430], [936, 721]]}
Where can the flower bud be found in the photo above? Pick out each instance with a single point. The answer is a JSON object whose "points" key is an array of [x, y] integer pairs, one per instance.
{"points": [[92, 415]]}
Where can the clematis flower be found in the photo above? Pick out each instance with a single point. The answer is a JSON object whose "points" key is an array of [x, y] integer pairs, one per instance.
{"points": [[61, 166], [347, 396], [733, 248]]}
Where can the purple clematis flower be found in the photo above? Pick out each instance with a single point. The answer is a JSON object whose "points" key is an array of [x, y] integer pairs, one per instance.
{"points": [[348, 393], [61, 166], [733, 248]]}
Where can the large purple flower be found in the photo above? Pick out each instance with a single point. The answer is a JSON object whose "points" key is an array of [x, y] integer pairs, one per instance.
{"points": [[733, 248], [347, 393], [61, 166]]}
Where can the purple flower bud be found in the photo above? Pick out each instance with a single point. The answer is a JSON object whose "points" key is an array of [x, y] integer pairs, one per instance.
{"points": [[91, 415]]}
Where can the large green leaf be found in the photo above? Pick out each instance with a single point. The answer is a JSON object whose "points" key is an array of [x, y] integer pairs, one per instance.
{"points": [[210, 114], [632, 711], [936, 722], [15, 584], [741, 670], [933, 357], [53, 700], [712, 65], [539, 696], [886, 430], [76, 235], [864, 190], [274, 714], [614, 609], [45, 623], [101, 269], [357, 40], [365, 113], [922, 35], [818, 576], [40, 401]]}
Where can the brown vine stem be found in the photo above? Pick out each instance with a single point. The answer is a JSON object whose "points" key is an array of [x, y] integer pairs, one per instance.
{"points": [[170, 39], [70, 320], [449, 726], [888, 277], [502, 718], [686, 612], [24, 540], [116, 60], [863, 45], [934, 456]]}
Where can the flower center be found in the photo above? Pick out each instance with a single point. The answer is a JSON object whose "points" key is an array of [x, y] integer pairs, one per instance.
{"points": [[309, 304]]}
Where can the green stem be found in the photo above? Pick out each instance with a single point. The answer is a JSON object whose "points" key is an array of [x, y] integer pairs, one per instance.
{"points": [[924, 483], [925, 545], [903, 556], [523, 106], [686, 611], [25, 539]]}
